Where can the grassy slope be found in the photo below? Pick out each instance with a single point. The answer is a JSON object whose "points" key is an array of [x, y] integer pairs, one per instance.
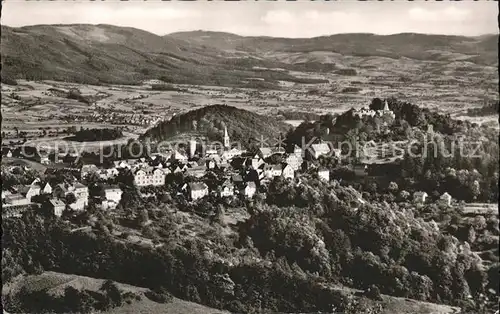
{"points": [[57, 282]]}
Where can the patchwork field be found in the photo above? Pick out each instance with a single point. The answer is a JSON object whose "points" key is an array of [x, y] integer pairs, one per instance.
{"points": [[447, 87]]}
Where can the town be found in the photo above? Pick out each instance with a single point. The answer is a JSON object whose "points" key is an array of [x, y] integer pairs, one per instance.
{"points": [[242, 174]]}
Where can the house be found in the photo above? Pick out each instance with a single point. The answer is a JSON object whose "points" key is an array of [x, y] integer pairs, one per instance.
{"points": [[324, 174], [166, 171], [210, 164], [149, 176], [16, 200], [256, 161], [275, 170], [320, 149], [113, 193], [250, 189], [80, 191], [121, 164], [47, 189], [28, 191], [445, 199], [363, 113], [197, 190], [288, 172], [178, 157], [294, 161], [109, 173], [230, 154], [265, 152], [419, 197], [57, 206], [6, 152], [226, 189], [5, 194], [197, 171]]}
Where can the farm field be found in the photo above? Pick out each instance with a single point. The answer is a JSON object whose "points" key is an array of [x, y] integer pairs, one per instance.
{"points": [[432, 84]]}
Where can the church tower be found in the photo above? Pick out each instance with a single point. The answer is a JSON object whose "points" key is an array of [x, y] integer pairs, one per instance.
{"points": [[226, 138], [386, 106]]}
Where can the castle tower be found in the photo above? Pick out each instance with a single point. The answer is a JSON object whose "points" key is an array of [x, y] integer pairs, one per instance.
{"points": [[226, 138], [192, 148]]}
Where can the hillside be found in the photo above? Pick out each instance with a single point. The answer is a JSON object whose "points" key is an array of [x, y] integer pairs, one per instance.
{"points": [[481, 50], [55, 283], [98, 54], [209, 121]]}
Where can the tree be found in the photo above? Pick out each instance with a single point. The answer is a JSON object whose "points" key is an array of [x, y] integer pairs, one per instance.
{"points": [[70, 198], [393, 187], [142, 218]]}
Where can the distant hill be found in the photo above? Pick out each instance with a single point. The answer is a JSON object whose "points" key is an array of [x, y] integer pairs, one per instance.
{"points": [[97, 54], [481, 49], [106, 54], [242, 125]]}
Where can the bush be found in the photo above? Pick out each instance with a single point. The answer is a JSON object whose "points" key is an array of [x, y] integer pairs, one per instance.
{"points": [[160, 296], [373, 293], [164, 87], [8, 81]]}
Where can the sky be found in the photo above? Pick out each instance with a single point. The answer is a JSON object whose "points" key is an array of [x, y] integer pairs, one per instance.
{"points": [[257, 18]]}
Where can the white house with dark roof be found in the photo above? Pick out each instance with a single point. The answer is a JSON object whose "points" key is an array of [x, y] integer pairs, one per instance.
{"points": [[149, 176], [226, 189], [57, 206], [324, 174], [445, 199], [179, 157], [112, 195], [230, 154], [197, 171], [419, 197], [197, 190], [256, 161], [250, 189], [265, 152], [288, 172], [320, 149]]}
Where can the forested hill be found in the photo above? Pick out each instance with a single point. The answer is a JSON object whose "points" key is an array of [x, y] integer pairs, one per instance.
{"points": [[242, 125]]}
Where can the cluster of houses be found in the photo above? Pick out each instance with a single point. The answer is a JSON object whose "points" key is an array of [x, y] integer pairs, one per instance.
{"points": [[20, 197], [420, 197], [116, 118], [243, 172], [372, 113]]}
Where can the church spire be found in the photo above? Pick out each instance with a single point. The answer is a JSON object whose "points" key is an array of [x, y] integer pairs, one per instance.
{"points": [[226, 138], [386, 106]]}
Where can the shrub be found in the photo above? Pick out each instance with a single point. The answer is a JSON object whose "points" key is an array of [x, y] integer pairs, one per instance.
{"points": [[159, 295]]}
